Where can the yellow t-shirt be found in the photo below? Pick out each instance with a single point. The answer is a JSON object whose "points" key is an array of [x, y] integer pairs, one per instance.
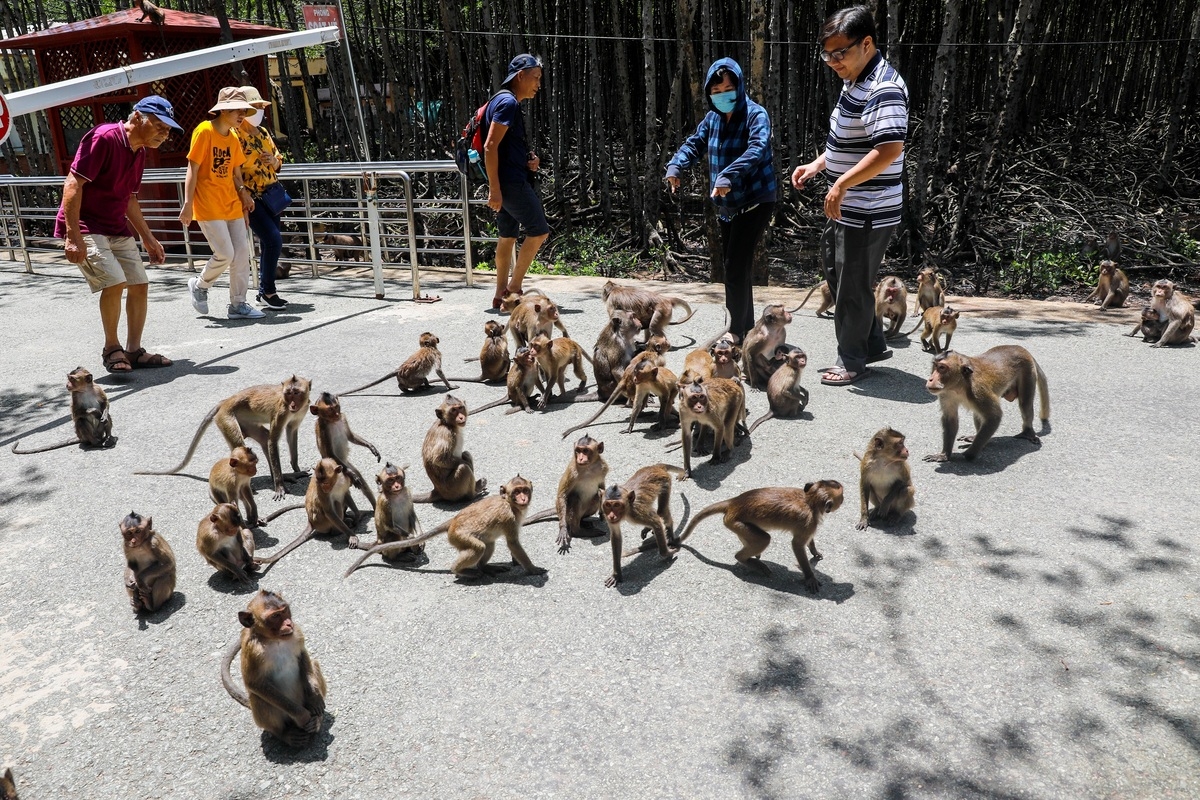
{"points": [[216, 157], [256, 142]]}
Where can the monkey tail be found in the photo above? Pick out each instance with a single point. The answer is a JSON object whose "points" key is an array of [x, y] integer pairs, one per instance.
{"points": [[502, 402], [391, 374], [67, 443], [616, 393], [281, 511], [299, 540], [681, 302], [403, 544], [1043, 391], [704, 513], [479, 379], [805, 300], [234, 690], [204, 423], [671, 468], [920, 322], [760, 420], [545, 515]]}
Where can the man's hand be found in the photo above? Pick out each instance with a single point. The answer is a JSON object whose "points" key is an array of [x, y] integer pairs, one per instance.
{"points": [[673, 180], [76, 248], [833, 201], [803, 174], [534, 162], [494, 198], [720, 191], [154, 249]]}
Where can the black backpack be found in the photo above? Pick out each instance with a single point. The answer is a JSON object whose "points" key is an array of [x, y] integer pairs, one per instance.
{"points": [[472, 138]]}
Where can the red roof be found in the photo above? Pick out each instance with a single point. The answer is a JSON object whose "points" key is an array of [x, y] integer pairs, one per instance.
{"points": [[124, 23]]}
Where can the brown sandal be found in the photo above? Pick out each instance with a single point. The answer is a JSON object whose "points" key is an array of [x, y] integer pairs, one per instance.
{"points": [[115, 359], [140, 359]]}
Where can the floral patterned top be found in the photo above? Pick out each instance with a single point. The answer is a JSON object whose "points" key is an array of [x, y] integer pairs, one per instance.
{"points": [[256, 142]]}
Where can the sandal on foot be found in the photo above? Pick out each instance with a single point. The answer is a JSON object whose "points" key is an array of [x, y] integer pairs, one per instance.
{"points": [[140, 359], [496, 303], [840, 376], [115, 359]]}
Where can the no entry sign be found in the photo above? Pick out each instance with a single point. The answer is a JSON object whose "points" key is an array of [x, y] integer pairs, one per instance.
{"points": [[5, 120]]}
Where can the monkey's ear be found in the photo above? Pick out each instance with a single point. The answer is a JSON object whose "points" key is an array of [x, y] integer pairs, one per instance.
{"points": [[967, 370], [378, 481], [807, 486], [246, 618], [877, 442], [615, 323], [233, 462], [313, 410], [629, 499], [212, 517], [828, 506], [735, 353], [148, 523], [337, 469], [503, 490], [600, 447]]}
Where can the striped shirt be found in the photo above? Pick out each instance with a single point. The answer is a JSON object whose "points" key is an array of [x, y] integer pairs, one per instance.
{"points": [[870, 111]]}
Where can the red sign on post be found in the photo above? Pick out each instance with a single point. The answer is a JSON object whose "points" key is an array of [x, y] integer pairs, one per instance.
{"points": [[322, 17], [5, 120]]}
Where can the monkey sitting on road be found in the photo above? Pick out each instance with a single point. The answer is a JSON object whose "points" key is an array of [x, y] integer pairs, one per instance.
{"points": [[328, 505], [884, 478], [1151, 327], [1112, 289], [395, 518], [413, 374], [937, 320], [786, 397], [89, 415], [761, 340], [229, 482], [931, 289], [579, 491], [450, 468], [334, 437], [493, 356], [224, 541], [149, 564], [1175, 311]]}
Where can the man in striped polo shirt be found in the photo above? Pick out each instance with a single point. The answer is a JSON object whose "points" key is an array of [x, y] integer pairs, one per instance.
{"points": [[864, 156]]}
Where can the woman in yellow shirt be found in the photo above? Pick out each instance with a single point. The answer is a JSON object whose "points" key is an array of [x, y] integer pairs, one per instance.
{"points": [[260, 171], [215, 195]]}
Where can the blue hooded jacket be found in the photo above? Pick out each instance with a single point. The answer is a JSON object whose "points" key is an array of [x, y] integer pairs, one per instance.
{"points": [[739, 149]]}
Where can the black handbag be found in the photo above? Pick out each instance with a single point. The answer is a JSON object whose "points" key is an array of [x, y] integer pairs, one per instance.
{"points": [[275, 198]]}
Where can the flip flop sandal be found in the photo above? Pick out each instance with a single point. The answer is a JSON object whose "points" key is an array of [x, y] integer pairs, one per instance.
{"points": [[843, 378], [140, 359], [115, 359]]}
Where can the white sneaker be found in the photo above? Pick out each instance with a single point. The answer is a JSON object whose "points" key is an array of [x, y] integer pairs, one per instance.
{"points": [[244, 310], [199, 296]]}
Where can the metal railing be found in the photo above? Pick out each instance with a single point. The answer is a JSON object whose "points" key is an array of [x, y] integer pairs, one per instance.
{"points": [[383, 217]]}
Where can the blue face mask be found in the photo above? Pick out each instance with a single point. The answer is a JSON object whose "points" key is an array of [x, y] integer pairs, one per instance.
{"points": [[724, 101]]}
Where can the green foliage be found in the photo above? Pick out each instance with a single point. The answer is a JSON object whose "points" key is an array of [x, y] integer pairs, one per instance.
{"points": [[1185, 245], [589, 252], [1036, 273]]}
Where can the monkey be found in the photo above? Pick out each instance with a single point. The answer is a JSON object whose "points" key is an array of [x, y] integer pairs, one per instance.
{"points": [[761, 341], [450, 468], [263, 413], [614, 350], [225, 542], [884, 478], [524, 382], [1112, 246], [413, 374], [150, 10], [1007, 371], [493, 358], [1112, 289], [89, 415], [329, 507], [229, 482], [716, 403], [334, 437], [931, 289], [799, 511], [345, 247], [530, 315], [554, 356], [726, 358], [474, 531], [579, 492], [698, 363], [395, 518], [149, 564], [653, 310], [826, 299], [285, 690], [937, 320], [891, 303], [8, 786], [786, 397], [645, 499], [1151, 327], [639, 381], [1175, 311]]}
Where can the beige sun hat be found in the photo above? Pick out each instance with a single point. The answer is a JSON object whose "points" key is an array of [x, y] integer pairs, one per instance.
{"points": [[232, 98], [254, 98]]}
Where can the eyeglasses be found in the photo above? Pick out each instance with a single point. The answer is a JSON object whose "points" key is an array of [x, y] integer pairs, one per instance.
{"points": [[837, 55]]}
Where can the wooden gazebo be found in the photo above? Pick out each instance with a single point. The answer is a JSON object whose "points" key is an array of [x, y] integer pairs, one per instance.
{"points": [[115, 40]]}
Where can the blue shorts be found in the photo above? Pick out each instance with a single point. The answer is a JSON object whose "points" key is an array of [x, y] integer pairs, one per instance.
{"points": [[521, 208]]}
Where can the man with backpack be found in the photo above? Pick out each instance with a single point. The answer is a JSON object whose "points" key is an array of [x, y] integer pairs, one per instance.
{"points": [[510, 167]]}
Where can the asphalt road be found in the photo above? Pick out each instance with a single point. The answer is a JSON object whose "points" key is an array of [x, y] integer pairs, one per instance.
{"points": [[1033, 630]]}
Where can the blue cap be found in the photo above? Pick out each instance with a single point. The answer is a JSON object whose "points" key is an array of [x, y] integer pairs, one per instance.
{"points": [[523, 61], [159, 107]]}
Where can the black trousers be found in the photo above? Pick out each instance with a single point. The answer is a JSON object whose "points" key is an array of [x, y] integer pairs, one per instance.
{"points": [[739, 240], [851, 259]]}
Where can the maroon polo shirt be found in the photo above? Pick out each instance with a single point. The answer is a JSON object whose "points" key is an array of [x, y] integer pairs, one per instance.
{"points": [[113, 172]]}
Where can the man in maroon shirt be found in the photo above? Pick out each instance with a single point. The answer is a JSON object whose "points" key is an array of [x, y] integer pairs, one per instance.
{"points": [[99, 206]]}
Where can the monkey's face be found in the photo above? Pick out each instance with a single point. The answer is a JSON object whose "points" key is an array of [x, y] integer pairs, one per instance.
{"points": [[326, 473], [294, 398], [937, 380], [278, 621], [949, 315], [135, 535], [658, 344], [245, 462], [584, 455], [1163, 290], [518, 491], [697, 401], [798, 360], [392, 484], [78, 379], [614, 510]]}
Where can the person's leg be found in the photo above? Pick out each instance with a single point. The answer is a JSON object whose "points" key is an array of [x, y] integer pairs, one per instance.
{"points": [[110, 313], [136, 299], [239, 270], [525, 256], [846, 261], [216, 233], [505, 251], [522, 203], [105, 277], [741, 238], [876, 244], [270, 239]]}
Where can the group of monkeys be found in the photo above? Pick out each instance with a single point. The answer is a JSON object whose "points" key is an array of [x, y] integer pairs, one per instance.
{"points": [[285, 689]]}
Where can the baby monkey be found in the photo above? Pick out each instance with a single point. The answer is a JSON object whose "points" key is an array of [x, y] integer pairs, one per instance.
{"points": [[229, 482], [395, 518], [89, 414], [149, 564], [224, 541], [413, 374], [937, 320], [885, 480], [645, 499]]}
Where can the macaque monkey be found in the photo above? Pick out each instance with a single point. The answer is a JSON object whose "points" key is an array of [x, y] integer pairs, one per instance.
{"points": [[8, 786], [761, 341], [329, 507], [89, 414], [639, 381], [786, 397], [937, 320], [263, 413], [884, 479], [646, 500], [1175, 311], [615, 348], [149, 564], [891, 303], [345, 247], [826, 299], [726, 358], [450, 468], [553, 357], [493, 357], [395, 518], [653, 310], [474, 531], [150, 10], [225, 542], [799, 511], [978, 383], [1112, 246], [285, 690], [413, 374], [1112, 289], [716, 403], [334, 437], [524, 383], [229, 482], [931, 289], [579, 491], [530, 315], [1151, 327]]}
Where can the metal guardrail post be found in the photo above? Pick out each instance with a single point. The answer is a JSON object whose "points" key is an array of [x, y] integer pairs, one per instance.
{"points": [[312, 244], [466, 215], [371, 189], [12, 193], [412, 234], [187, 236], [8, 237]]}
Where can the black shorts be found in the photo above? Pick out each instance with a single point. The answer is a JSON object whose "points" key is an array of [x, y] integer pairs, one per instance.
{"points": [[521, 208]]}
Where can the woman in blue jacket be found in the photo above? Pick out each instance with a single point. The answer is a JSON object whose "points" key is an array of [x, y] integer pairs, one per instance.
{"points": [[736, 136]]}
